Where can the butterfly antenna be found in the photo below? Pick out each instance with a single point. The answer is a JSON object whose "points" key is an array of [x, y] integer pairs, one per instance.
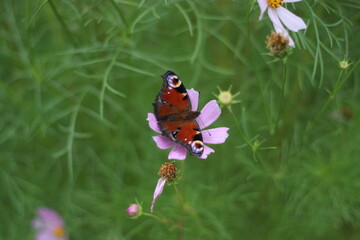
{"points": [[200, 120]]}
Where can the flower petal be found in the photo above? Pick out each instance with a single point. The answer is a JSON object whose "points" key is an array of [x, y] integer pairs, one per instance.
{"points": [[263, 5], [46, 235], [275, 21], [290, 20], [279, 28], [207, 151], [291, 42], [153, 122], [163, 142], [290, 1], [38, 224], [208, 114], [50, 217], [215, 135], [158, 190], [133, 210], [194, 98], [178, 152]]}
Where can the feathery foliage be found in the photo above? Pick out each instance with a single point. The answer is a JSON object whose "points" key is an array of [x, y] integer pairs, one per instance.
{"points": [[79, 77]]}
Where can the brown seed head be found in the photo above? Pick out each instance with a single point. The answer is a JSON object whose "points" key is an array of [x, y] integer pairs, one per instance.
{"points": [[168, 171], [346, 113], [277, 43]]}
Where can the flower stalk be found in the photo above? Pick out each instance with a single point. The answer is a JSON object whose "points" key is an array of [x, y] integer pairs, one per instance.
{"points": [[239, 128], [281, 96], [162, 219], [338, 85]]}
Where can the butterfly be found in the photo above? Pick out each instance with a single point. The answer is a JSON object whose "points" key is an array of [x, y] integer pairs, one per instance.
{"points": [[174, 115]]}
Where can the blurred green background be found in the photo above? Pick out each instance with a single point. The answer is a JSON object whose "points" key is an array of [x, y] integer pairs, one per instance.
{"points": [[79, 77]]}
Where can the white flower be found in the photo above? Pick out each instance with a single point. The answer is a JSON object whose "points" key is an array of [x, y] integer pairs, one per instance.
{"points": [[280, 15]]}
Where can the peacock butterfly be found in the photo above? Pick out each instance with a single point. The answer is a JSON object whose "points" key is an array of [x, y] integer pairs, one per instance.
{"points": [[173, 112]]}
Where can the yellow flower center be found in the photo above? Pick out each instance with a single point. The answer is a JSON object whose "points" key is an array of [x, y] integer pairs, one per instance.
{"points": [[59, 232], [275, 3], [225, 97]]}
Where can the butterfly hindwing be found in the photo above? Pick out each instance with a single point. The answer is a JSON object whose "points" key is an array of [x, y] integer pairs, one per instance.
{"points": [[175, 117]]}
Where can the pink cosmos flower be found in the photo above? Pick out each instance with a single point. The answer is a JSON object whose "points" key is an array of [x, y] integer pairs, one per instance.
{"points": [[49, 225], [208, 115], [280, 15]]}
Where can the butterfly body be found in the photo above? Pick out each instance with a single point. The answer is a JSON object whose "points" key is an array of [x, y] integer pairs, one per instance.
{"points": [[175, 117]]}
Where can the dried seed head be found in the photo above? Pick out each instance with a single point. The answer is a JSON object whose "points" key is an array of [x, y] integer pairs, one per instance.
{"points": [[168, 171], [347, 113], [277, 43]]}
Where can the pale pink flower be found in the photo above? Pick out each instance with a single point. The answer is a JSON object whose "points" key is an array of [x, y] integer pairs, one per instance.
{"points": [[208, 115], [280, 15], [158, 191], [49, 225]]}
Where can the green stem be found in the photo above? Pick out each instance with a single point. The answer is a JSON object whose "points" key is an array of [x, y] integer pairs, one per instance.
{"points": [[62, 23], [105, 84], [268, 115], [248, 14], [121, 15], [181, 221], [239, 128], [331, 97], [179, 197], [163, 220], [337, 87], [281, 95], [183, 182], [346, 77]]}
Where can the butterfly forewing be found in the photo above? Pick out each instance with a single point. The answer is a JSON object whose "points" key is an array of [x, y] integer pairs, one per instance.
{"points": [[172, 99]]}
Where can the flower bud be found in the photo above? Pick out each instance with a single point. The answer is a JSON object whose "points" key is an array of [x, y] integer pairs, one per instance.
{"points": [[344, 64], [226, 98], [134, 210]]}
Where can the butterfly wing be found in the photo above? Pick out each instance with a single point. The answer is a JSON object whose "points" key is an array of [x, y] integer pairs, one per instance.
{"points": [[175, 118], [173, 98], [189, 136]]}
